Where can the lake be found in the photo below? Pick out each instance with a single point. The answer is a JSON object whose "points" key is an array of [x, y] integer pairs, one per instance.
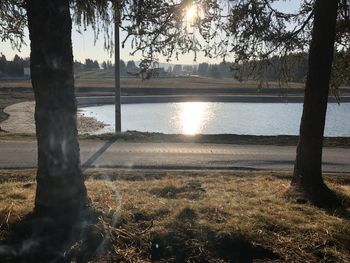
{"points": [[218, 118]]}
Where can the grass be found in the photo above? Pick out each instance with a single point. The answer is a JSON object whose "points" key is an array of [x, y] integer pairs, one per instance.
{"points": [[199, 216], [135, 136], [281, 140], [105, 78]]}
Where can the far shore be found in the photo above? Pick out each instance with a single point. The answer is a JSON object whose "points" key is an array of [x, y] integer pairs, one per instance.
{"points": [[102, 100]]}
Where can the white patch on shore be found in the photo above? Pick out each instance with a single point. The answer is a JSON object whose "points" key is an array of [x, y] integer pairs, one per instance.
{"points": [[21, 120]]}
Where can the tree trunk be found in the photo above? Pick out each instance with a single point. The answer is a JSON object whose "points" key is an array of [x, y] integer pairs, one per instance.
{"points": [[307, 183], [60, 184]]}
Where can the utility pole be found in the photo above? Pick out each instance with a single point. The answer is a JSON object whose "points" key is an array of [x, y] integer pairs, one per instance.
{"points": [[118, 125]]}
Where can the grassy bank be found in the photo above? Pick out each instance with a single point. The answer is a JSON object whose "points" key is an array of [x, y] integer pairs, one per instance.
{"points": [[199, 216], [105, 78], [282, 140], [134, 136]]}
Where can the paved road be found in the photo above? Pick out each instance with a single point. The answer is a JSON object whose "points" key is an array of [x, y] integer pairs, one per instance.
{"points": [[14, 154]]}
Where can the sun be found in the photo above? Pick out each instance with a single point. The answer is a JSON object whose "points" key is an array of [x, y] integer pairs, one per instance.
{"points": [[191, 13]]}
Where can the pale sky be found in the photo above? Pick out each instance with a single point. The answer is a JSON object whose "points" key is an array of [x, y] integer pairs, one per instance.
{"points": [[84, 46]]}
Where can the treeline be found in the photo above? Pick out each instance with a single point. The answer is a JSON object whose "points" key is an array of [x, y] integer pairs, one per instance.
{"points": [[12, 68], [291, 68], [203, 69], [129, 66]]}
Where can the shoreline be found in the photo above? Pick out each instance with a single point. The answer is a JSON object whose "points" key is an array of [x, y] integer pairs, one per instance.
{"points": [[146, 137], [102, 100], [20, 125], [20, 120]]}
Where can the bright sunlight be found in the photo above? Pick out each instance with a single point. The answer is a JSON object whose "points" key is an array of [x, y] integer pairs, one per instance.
{"points": [[191, 13], [192, 117]]}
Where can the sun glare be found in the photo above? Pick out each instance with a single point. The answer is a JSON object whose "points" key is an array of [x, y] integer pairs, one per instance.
{"points": [[191, 117], [191, 13]]}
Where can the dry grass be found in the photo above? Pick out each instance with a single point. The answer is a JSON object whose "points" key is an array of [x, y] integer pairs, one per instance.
{"points": [[135, 136], [200, 216], [102, 78]]}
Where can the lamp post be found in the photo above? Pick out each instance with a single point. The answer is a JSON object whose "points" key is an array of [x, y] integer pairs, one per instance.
{"points": [[118, 126]]}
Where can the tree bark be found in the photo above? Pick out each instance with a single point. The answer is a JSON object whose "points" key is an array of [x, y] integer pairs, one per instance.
{"points": [[60, 184], [307, 183]]}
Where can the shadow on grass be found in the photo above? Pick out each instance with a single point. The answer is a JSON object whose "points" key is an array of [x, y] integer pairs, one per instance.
{"points": [[343, 211], [192, 190], [45, 239], [185, 240]]}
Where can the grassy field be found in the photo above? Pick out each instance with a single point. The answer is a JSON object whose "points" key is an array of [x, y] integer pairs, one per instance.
{"points": [[105, 78], [197, 216]]}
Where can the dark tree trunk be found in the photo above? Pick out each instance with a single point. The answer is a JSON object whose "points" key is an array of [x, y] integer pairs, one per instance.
{"points": [[60, 185], [307, 183]]}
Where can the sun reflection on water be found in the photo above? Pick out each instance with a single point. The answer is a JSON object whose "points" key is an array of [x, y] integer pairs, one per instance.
{"points": [[192, 117]]}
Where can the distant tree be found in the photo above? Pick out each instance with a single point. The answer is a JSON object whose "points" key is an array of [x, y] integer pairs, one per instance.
{"points": [[96, 64], [78, 66], [195, 69], [91, 64], [214, 71], [341, 70], [297, 66], [17, 59], [177, 68], [109, 64], [188, 68], [26, 62], [122, 67], [104, 65], [203, 69], [131, 66], [15, 68], [224, 69], [3, 63]]}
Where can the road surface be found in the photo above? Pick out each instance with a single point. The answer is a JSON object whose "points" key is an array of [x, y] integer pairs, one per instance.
{"points": [[23, 154]]}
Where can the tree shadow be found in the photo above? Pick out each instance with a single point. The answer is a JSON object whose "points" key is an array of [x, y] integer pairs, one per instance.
{"points": [[342, 211], [44, 239], [97, 154], [185, 240]]}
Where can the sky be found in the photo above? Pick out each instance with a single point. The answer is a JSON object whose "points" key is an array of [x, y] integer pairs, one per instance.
{"points": [[84, 45]]}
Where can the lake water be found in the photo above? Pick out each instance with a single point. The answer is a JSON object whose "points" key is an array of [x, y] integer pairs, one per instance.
{"points": [[219, 118]]}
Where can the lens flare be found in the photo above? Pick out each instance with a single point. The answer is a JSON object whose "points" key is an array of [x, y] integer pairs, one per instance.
{"points": [[191, 13]]}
